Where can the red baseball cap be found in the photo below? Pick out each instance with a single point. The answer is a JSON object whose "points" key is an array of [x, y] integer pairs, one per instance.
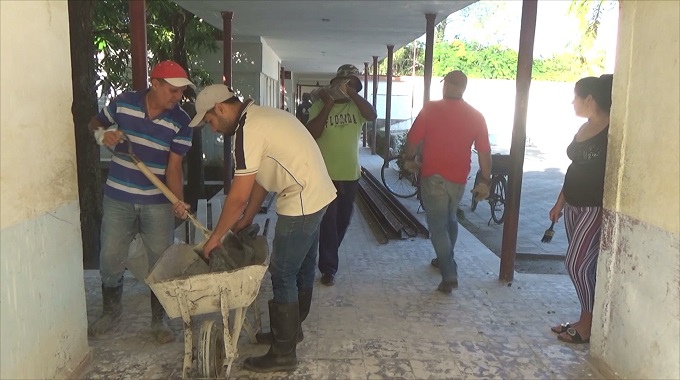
{"points": [[172, 73]]}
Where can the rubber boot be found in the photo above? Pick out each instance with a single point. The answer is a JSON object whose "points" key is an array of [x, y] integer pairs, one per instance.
{"points": [[305, 302], [112, 310], [285, 323], [159, 330]]}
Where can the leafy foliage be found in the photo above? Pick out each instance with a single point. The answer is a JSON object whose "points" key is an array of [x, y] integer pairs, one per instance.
{"points": [[588, 13], [403, 60], [487, 62], [494, 60], [172, 33]]}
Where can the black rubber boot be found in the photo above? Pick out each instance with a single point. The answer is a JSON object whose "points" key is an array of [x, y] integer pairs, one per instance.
{"points": [[285, 323], [112, 310], [160, 331], [305, 302]]}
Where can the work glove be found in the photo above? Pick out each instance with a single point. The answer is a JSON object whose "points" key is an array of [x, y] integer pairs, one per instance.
{"points": [[480, 192], [99, 135]]}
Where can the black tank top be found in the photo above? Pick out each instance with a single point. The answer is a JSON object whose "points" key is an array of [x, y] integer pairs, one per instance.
{"points": [[584, 181]]}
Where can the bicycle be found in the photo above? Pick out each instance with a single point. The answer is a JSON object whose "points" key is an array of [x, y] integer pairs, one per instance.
{"points": [[500, 166], [399, 181]]}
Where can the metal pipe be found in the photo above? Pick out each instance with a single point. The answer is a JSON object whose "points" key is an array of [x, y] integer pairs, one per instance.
{"points": [[375, 99], [429, 49], [388, 102], [138, 44], [363, 129], [227, 78], [519, 134]]}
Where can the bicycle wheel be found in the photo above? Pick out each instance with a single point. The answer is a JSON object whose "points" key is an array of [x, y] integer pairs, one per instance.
{"points": [[473, 204], [397, 180], [498, 186]]}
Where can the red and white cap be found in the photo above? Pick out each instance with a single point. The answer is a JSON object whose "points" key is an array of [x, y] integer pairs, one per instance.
{"points": [[172, 73]]}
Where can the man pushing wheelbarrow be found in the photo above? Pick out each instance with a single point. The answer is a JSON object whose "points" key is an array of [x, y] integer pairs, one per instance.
{"points": [[273, 152]]}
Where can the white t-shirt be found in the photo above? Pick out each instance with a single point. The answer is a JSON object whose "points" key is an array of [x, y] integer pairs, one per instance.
{"points": [[275, 145]]}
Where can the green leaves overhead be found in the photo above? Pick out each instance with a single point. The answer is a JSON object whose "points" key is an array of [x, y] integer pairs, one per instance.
{"points": [[172, 33]]}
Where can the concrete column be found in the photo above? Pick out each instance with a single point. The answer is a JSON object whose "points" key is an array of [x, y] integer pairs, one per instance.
{"points": [[519, 136], [227, 79], [138, 42], [429, 49]]}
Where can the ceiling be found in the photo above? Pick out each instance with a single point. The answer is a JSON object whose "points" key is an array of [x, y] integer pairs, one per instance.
{"points": [[353, 33]]}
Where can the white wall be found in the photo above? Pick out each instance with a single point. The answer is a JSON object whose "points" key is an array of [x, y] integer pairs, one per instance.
{"points": [[255, 75], [551, 123], [43, 315], [636, 328], [270, 61]]}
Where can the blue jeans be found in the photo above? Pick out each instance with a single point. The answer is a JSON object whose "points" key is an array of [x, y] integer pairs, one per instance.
{"points": [[296, 244], [121, 221], [441, 199], [334, 225]]}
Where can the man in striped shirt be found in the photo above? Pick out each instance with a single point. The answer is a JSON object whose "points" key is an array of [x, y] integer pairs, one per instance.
{"points": [[159, 132]]}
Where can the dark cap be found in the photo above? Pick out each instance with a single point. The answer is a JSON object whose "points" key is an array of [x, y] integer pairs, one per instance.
{"points": [[349, 71], [456, 77]]}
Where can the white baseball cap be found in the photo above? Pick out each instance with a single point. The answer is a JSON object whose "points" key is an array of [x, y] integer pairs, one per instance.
{"points": [[208, 98]]}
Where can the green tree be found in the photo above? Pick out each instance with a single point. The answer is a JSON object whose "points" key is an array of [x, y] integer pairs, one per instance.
{"points": [[404, 62], [172, 33], [440, 30], [589, 14], [485, 61]]}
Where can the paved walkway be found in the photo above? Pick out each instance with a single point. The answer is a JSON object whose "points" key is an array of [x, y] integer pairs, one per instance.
{"points": [[383, 320], [541, 184]]}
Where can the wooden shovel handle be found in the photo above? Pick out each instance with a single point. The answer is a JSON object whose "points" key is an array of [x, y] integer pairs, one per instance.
{"points": [[171, 196]]}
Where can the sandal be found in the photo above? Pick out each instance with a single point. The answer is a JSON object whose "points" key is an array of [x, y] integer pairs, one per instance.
{"points": [[575, 337], [562, 328]]}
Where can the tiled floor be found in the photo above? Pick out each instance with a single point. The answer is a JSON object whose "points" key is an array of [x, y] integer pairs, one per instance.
{"points": [[541, 184], [384, 320]]}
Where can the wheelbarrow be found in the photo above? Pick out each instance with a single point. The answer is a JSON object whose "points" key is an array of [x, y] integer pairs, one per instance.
{"points": [[182, 282]]}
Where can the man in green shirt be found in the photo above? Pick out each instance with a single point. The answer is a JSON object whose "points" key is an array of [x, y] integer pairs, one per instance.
{"points": [[336, 125]]}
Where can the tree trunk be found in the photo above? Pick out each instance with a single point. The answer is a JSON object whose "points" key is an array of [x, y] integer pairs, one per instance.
{"points": [[83, 108]]}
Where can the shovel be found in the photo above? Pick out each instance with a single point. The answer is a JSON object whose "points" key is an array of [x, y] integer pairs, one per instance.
{"points": [[164, 189]]}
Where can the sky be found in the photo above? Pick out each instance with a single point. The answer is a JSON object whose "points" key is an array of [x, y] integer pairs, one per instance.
{"points": [[555, 29]]}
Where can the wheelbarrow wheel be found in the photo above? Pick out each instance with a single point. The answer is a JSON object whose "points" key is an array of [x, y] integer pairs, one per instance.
{"points": [[210, 350]]}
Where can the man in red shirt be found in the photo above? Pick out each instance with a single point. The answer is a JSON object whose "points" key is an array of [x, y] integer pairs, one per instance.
{"points": [[447, 129]]}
